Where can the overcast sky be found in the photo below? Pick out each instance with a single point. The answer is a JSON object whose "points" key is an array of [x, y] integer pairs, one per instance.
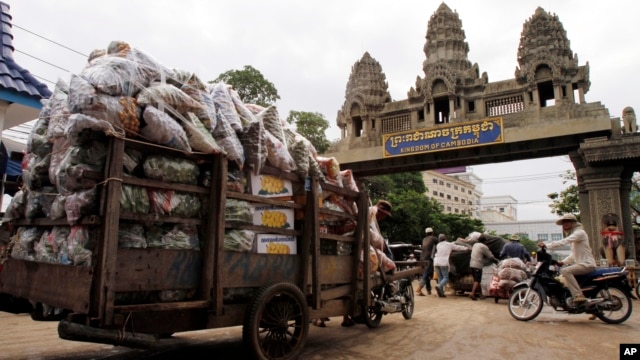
{"points": [[307, 48]]}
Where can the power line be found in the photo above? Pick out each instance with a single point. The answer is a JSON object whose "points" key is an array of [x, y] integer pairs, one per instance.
{"points": [[40, 36], [46, 62]]}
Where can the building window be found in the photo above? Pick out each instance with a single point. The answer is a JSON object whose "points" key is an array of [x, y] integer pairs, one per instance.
{"points": [[435, 181], [543, 237], [455, 198], [455, 187], [556, 237], [501, 210], [470, 202], [441, 182], [448, 185], [464, 201], [456, 210], [435, 192], [448, 197], [441, 195], [469, 192], [449, 208]]}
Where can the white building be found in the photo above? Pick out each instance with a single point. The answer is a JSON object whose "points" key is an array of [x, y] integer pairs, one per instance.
{"points": [[456, 194], [497, 209]]}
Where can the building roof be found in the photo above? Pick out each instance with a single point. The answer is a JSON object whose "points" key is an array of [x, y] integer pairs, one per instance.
{"points": [[18, 83]]}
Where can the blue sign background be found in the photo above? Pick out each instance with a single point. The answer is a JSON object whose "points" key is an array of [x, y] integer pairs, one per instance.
{"points": [[468, 134]]}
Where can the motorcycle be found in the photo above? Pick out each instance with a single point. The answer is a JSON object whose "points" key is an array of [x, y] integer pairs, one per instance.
{"points": [[607, 291], [392, 297]]}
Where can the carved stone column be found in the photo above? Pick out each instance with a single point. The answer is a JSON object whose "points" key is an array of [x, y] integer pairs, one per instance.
{"points": [[603, 185]]}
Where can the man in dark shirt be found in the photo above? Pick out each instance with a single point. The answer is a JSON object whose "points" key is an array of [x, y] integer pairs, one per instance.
{"points": [[428, 247], [514, 249]]}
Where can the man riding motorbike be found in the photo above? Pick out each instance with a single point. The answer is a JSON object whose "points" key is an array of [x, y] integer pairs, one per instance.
{"points": [[581, 257]]}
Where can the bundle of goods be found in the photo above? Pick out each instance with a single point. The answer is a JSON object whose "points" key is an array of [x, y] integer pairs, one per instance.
{"points": [[124, 92], [508, 273]]}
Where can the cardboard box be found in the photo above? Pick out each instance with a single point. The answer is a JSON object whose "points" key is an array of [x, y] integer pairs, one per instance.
{"points": [[270, 186], [276, 244], [280, 217]]}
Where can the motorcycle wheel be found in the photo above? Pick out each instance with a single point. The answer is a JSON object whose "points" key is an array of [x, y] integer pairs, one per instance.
{"points": [[407, 312], [616, 307], [523, 306]]}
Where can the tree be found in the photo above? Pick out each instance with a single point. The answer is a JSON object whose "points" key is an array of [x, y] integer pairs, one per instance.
{"points": [[311, 125], [251, 86], [413, 211], [567, 201]]}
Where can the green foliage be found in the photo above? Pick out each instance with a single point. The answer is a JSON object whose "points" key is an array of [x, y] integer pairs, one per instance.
{"points": [[413, 211], [567, 201], [313, 126], [251, 86]]}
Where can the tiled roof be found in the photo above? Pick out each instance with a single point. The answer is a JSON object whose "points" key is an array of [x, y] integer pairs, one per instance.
{"points": [[14, 77]]}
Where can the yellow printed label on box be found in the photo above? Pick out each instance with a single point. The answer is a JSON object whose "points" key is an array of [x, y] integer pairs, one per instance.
{"points": [[280, 217], [270, 186], [276, 244]]}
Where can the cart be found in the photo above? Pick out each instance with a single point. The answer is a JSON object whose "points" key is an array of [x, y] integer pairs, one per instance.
{"points": [[124, 297]]}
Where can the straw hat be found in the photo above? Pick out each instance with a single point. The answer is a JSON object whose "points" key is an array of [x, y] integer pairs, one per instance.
{"points": [[566, 217]]}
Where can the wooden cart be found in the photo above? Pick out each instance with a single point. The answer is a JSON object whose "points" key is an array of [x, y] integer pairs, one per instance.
{"points": [[272, 296]]}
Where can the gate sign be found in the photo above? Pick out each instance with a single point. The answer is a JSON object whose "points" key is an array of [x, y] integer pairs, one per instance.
{"points": [[469, 134]]}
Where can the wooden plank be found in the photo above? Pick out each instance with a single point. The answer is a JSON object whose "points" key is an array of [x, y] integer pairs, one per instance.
{"points": [[211, 286], [263, 200], [165, 185], [57, 285], [255, 270], [217, 234], [333, 269], [104, 291], [312, 212], [157, 269], [166, 306]]}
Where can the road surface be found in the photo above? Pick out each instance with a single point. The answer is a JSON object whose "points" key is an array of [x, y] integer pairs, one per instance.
{"points": [[442, 328]]}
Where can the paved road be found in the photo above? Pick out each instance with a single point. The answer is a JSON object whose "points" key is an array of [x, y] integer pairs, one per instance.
{"points": [[442, 328]]}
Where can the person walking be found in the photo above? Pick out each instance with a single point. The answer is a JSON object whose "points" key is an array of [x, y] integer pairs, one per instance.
{"points": [[514, 249], [480, 256], [428, 245], [581, 257], [441, 261]]}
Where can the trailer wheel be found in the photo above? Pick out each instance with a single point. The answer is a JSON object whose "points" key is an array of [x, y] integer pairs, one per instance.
{"points": [[277, 322]]}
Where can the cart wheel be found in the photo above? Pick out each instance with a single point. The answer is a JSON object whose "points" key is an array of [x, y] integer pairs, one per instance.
{"points": [[371, 315], [277, 322]]}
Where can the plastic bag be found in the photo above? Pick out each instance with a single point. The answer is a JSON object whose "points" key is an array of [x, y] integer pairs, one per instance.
{"points": [[134, 199], [58, 107], [271, 120], [131, 235], [254, 146], [277, 154], [122, 112], [80, 125], [147, 64], [80, 204], [169, 169], [246, 116], [116, 76], [224, 104], [227, 138], [168, 97], [164, 130], [169, 202], [80, 245], [199, 137]]}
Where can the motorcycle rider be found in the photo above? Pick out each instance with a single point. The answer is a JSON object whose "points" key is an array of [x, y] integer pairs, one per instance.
{"points": [[581, 257]]}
